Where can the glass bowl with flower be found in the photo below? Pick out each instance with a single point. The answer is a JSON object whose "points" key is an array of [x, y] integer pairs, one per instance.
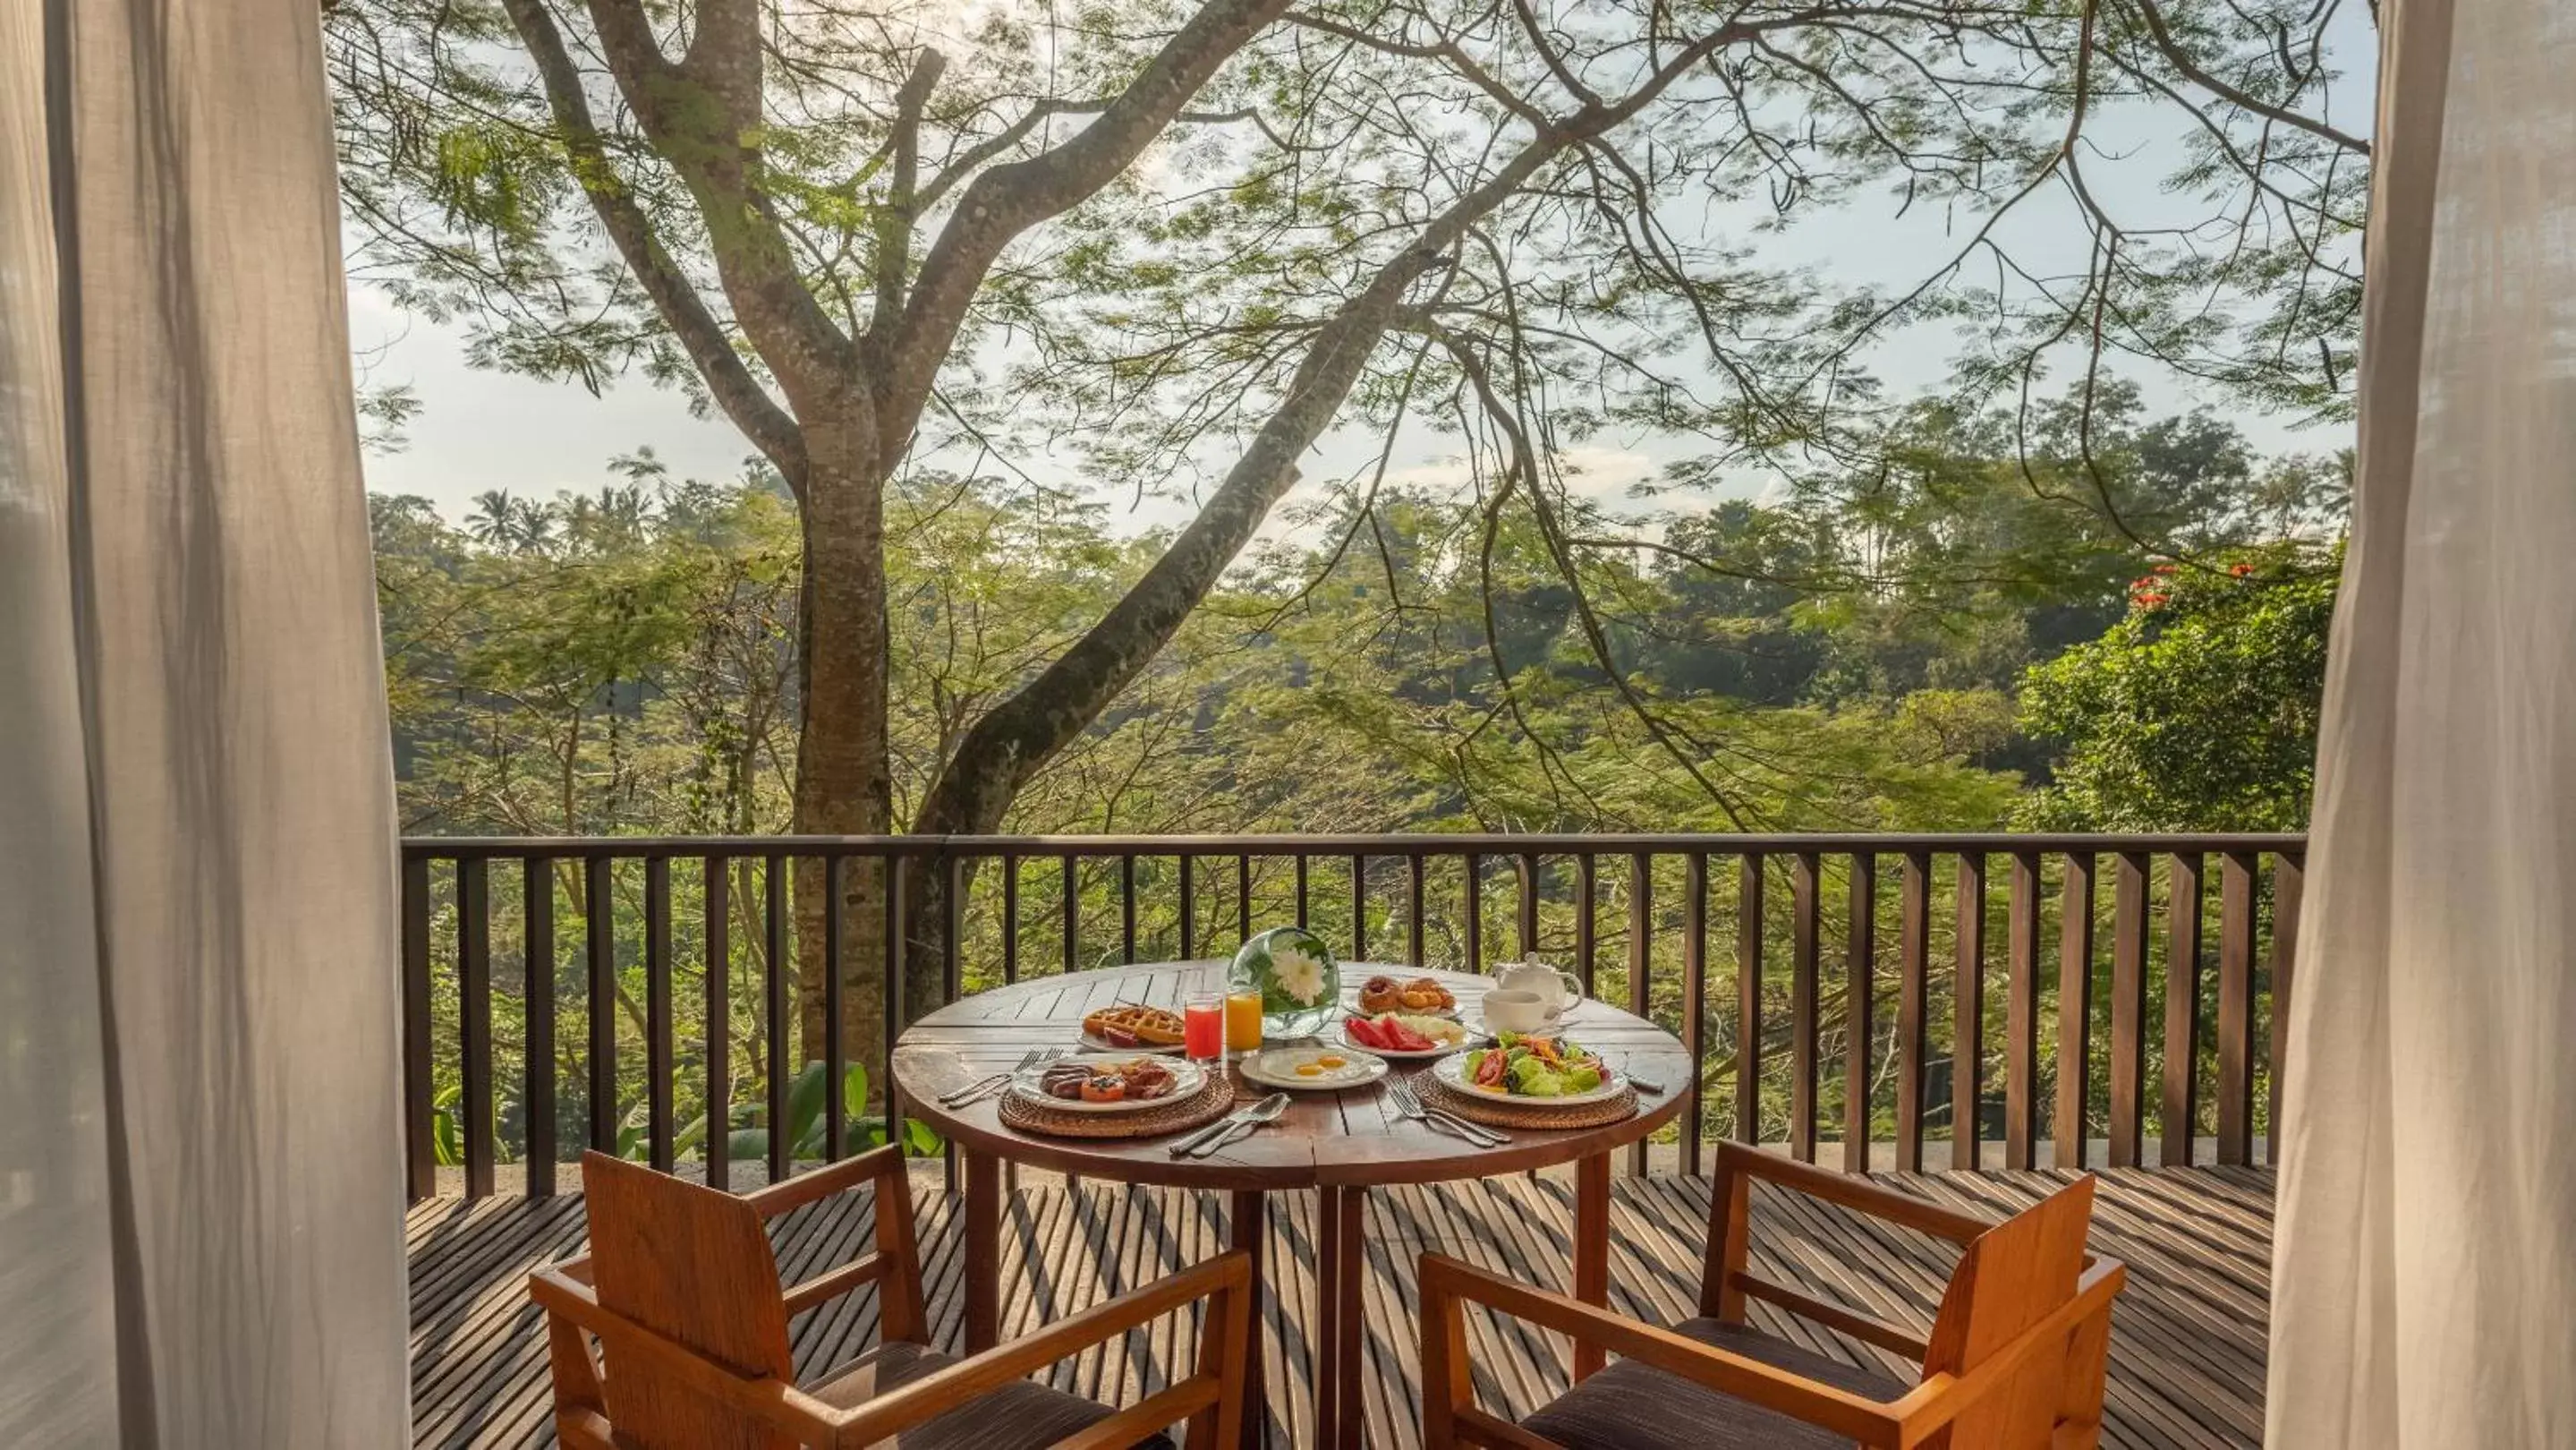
{"points": [[1299, 982]]}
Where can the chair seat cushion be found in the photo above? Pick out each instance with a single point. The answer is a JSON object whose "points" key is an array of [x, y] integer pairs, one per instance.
{"points": [[1020, 1415], [1632, 1406]]}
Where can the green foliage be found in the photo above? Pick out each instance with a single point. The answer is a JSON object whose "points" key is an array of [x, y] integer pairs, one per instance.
{"points": [[2198, 711]]}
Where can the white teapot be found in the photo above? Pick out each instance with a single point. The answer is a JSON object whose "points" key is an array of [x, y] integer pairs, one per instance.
{"points": [[1555, 990]]}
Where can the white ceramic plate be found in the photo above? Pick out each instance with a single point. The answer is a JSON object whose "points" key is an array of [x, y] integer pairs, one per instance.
{"points": [[1463, 1039], [1277, 1067], [1189, 1078], [1453, 1071], [1094, 1042]]}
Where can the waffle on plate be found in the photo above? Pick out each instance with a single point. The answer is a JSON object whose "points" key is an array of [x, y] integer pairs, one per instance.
{"points": [[1152, 1026]]}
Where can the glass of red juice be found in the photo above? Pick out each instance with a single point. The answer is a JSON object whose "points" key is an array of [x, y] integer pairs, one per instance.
{"points": [[1203, 1027]]}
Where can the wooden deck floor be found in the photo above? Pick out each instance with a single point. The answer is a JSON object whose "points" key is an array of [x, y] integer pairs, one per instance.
{"points": [[2187, 1354]]}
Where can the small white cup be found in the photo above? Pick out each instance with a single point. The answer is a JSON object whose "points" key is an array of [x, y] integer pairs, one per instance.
{"points": [[1509, 1009]]}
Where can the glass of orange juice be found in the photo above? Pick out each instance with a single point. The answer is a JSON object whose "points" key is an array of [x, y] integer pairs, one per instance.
{"points": [[1242, 1021]]}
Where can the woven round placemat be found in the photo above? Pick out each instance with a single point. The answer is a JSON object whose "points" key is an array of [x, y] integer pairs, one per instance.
{"points": [[1496, 1112], [1213, 1100]]}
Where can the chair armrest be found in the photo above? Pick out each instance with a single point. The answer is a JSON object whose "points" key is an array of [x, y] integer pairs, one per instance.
{"points": [[1847, 1191], [831, 1178], [899, 1409], [1449, 1284]]}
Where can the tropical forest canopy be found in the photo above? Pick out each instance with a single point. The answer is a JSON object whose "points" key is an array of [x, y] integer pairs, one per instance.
{"points": [[1964, 638]]}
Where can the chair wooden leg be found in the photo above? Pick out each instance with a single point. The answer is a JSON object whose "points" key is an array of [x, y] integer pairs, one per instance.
{"points": [[1446, 1382], [1225, 1347]]}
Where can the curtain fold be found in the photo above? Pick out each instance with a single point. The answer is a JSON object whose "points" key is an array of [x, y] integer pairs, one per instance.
{"points": [[2424, 1265], [197, 881]]}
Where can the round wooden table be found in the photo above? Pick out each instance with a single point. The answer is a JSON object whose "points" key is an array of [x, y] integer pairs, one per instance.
{"points": [[1340, 1144]]}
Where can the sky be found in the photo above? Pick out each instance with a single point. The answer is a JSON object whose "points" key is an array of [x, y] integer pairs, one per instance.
{"points": [[480, 430]]}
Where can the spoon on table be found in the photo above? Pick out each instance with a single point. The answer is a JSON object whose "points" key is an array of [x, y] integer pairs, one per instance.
{"points": [[1245, 1120]]}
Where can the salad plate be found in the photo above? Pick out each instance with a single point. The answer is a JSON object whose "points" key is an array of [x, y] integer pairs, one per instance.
{"points": [[1405, 1036], [1078, 1084], [1560, 1073], [1313, 1069]]}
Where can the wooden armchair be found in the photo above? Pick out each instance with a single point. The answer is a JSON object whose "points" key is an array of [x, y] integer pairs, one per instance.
{"points": [[2016, 1359], [681, 1298]]}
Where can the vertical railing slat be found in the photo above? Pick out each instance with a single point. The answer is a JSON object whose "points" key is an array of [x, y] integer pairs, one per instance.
{"points": [[719, 1022], [897, 870], [2021, 1015], [1187, 867], [1694, 1003], [1301, 888], [2289, 879], [836, 1047], [2128, 1007], [1641, 954], [1525, 920], [1913, 1001], [952, 973], [537, 922], [2180, 1117], [2074, 1008], [1968, 1013], [599, 946], [1860, 1008], [420, 1146], [474, 1020], [1127, 910], [1587, 942], [1243, 896], [773, 983], [1359, 908], [1748, 999], [1472, 929], [657, 1011], [1803, 922], [1010, 919], [1414, 945], [1072, 913], [2236, 1008]]}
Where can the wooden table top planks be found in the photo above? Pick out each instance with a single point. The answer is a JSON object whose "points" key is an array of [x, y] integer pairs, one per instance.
{"points": [[2188, 1337], [1350, 1137]]}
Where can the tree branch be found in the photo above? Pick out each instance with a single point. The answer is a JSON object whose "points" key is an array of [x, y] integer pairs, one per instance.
{"points": [[2181, 60], [729, 381], [894, 219], [1000, 204], [706, 125]]}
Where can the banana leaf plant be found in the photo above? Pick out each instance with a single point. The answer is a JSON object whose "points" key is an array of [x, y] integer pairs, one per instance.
{"points": [[806, 1123]]}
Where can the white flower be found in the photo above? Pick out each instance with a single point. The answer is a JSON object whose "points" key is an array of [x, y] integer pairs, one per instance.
{"points": [[1299, 975]]}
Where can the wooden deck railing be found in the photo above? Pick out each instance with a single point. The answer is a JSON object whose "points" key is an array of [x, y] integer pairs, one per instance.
{"points": [[512, 1038]]}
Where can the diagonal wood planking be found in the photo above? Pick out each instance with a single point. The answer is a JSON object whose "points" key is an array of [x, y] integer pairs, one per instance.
{"points": [[2187, 1352]]}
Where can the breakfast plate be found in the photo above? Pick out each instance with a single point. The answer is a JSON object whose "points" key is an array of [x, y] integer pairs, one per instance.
{"points": [[1081, 1083], [1313, 1069], [1459, 1071], [1444, 1035]]}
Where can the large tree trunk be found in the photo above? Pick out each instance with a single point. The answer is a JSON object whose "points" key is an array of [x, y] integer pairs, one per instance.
{"points": [[844, 780]]}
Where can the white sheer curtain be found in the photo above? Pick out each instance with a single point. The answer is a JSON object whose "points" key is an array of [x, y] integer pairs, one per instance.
{"points": [[2424, 1272], [200, 1203]]}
